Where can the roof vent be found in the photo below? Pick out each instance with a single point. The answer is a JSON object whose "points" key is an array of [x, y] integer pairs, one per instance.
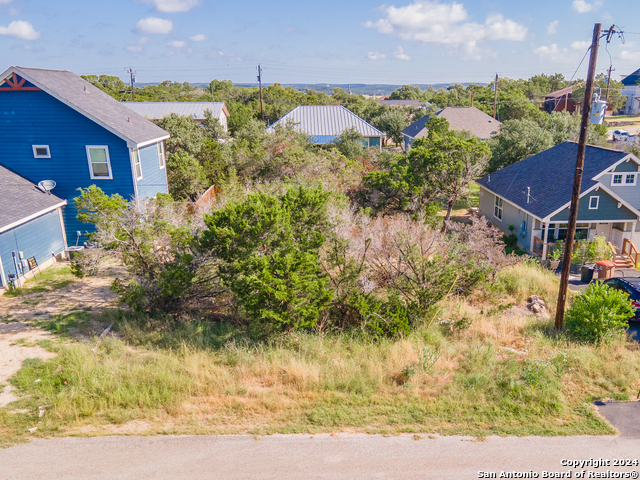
{"points": [[47, 185]]}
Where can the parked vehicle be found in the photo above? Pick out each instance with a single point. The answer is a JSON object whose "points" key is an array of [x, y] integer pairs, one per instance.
{"points": [[620, 135], [631, 286]]}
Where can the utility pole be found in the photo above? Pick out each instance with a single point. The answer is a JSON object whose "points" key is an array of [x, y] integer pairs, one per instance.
{"points": [[260, 84], [495, 97], [606, 96], [472, 96], [132, 79], [577, 180]]}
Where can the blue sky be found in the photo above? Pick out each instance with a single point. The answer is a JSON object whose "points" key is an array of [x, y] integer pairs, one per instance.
{"points": [[356, 41]]}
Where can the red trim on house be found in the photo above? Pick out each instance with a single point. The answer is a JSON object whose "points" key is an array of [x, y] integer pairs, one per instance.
{"points": [[16, 84]]}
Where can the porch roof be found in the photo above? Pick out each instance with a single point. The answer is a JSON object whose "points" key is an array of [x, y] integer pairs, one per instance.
{"points": [[549, 176]]}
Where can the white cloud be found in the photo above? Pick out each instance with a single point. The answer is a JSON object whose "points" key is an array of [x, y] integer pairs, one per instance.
{"points": [[137, 46], [581, 6], [376, 55], [627, 55], [441, 23], [551, 53], [552, 27], [153, 26], [399, 53], [172, 6], [199, 38], [4, 1], [177, 44], [20, 29], [580, 45]]}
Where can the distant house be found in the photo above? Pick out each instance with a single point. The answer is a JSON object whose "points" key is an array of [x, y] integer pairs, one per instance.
{"points": [[56, 126], [534, 195], [195, 110], [632, 92], [468, 119], [325, 124], [405, 103], [561, 101], [31, 227]]}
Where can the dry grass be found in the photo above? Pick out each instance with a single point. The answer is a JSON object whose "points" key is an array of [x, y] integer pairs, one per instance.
{"points": [[196, 377]]}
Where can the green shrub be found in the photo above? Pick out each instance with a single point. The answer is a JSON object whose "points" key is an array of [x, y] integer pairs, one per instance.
{"points": [[268, 248], [599, 314]]}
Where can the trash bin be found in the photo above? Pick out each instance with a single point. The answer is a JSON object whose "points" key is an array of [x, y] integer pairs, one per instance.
{"points": [[586, 273], [605, 269]]}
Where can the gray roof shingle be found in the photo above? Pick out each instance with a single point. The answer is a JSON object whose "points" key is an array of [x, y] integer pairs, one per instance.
{"points": [[326, 120], [21, 199], [470, 119], [159, 110], [549, 175], [93, 103]]}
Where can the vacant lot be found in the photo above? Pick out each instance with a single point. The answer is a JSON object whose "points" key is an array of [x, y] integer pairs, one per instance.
{"points": [[481, 365]]}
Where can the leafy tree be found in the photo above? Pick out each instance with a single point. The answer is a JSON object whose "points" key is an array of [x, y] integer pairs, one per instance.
{"points": [[517, 140], [186, 176], [107, 83], [599, 314], [392, 123], [186, 135], [406, 92], [350, 144], [269, 246], [155, 240]]}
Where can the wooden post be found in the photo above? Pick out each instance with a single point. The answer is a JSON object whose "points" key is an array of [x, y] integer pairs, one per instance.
{"points": [[495, 98], [577, 180]]}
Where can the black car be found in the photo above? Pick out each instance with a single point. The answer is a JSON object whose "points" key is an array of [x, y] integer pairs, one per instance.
{"points": [[631, 286]]}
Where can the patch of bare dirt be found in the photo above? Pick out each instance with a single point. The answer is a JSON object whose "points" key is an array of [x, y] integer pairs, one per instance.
{"points": [[94, 292], [12, 354]]}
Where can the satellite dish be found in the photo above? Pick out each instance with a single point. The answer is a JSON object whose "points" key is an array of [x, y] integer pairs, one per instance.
{"points": [[47, 185]]}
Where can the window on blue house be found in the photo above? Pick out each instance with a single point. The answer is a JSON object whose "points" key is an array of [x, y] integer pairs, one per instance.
{"points": [[616, 180], [41, 151], [136, 164], [99, 162], [161, 154]]}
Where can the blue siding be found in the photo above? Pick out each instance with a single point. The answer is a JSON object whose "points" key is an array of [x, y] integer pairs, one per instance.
{"points": [[36, 238], [153, 180], [35, 118], [607, 209]]}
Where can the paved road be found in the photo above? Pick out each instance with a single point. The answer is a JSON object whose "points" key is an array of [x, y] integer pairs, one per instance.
{"points": [[301, 457]]}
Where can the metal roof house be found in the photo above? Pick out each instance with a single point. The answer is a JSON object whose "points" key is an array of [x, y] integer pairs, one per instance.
{"points": [[632, 91], [470, 119], [31, 227], [195, 110], [325, 124], [56, 126], [534, 195]]}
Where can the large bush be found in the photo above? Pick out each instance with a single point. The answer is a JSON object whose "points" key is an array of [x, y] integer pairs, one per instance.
{"points": [[599, 314], [269, 251]]}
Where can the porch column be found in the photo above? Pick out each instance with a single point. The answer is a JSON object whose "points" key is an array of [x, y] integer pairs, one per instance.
{"points": [[544, 242], [633, 231], [532, 230]]}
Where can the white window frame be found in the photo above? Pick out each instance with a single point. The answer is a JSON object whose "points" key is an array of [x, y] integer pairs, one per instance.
{"points": [[498, 206], [35, 153], [597, 197], [635, 177], [161, 157], [137, 167], [106, 151], [613, 177]]}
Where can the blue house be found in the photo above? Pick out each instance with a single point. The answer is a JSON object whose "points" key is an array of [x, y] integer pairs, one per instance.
{"points": [[534, 195], [56, 126], [325, 123], [31, 228]]}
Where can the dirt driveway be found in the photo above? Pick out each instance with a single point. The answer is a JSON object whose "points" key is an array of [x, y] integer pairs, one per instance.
{"points": [[18, 337]]}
